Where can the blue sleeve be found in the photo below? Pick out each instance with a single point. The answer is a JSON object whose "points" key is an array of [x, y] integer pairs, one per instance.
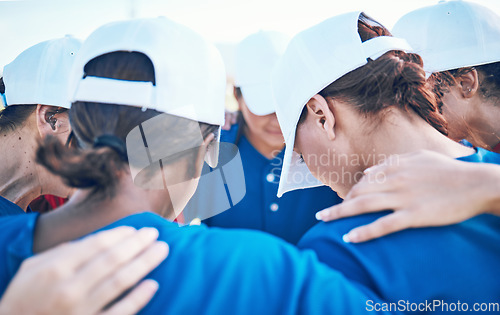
{"points": [[448, 263], [9, 208], [16, 244], [244, 272]]}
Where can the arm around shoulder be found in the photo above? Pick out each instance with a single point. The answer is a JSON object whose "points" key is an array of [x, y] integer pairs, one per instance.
{"points": [[490, 190]]}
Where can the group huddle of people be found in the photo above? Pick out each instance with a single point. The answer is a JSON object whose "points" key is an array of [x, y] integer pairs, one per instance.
{"points": [[391, 138]]}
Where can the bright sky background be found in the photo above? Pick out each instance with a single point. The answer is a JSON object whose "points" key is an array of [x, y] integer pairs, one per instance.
{"points": [[225, 22]]}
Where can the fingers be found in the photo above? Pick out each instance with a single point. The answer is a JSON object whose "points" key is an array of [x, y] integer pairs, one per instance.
{"points": [[377, 179], [133, 302], [360, 205], [208, 139], [385, 225], [128, 275], [108, 261]]}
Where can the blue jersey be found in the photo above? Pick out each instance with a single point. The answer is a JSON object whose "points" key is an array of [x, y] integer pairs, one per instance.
{"points": [[288, 217], [217, 271], [452, 264], [9, 208]]}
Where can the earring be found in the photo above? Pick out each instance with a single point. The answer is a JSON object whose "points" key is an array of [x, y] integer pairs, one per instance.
{"points": [[470, 90], [52, 121]]}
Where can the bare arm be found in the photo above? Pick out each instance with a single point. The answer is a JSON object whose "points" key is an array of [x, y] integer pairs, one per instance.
{"points": [[423, 189]]}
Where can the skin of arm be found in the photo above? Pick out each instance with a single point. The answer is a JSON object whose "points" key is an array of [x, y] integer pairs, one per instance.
{"points": [[491, 176], [454, 191]]}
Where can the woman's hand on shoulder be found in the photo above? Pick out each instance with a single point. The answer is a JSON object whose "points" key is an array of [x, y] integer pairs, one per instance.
{"points": [[86, 276], [422, 189]]}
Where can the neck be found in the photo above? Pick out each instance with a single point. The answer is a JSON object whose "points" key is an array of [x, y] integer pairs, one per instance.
{"points": [[84, 214], [20, 182], [484, 125], [267, 150], [400, 134]]}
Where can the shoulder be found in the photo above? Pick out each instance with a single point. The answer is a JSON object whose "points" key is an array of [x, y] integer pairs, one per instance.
{"points": [[9, 208], [334, 230], [325, 239], [18, 228], [488, 156], [427, 254], [16, 243], [140, 220], [215, 271], [216, 241], [363, 262], [23, 218]]}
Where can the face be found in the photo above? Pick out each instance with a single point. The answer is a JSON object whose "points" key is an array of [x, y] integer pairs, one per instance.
{"points": [[264, 129], [52, 121], [181, 181], [324, 140]]}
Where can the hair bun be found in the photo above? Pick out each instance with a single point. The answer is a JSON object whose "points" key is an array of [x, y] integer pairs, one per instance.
{"points": [[112, 142]]}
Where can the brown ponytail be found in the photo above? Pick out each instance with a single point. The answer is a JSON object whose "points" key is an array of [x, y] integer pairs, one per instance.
{"points": [[82, 168]]}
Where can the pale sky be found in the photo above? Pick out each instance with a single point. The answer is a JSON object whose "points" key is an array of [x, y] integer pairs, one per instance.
{"points": [[225, 22]]}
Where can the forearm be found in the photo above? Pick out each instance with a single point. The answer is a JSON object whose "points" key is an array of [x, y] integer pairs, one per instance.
{"points": [[490, 189]]}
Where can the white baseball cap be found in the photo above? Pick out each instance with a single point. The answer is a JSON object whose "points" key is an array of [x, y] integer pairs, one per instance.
{"points": [[314, 59], [189, 72], [452, 35], [39, 75], [255, 58]]}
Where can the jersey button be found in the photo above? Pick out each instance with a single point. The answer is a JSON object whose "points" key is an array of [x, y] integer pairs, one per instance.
{"points": [[274, 207], [270, 178]]}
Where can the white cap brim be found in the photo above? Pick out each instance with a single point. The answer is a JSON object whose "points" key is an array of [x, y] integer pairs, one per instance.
{"points": [[259, 98]]}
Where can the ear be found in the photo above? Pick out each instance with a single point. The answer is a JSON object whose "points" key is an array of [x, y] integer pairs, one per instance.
{"points": [[50, 121], [469, 83], [319, 111]]}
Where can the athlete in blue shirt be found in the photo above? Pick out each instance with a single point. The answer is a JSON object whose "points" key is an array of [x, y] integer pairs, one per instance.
{"points": [[217, 271], [467, 74], [261, 146], [288, 217], [212, 271], [451, 264], [375, 104]]}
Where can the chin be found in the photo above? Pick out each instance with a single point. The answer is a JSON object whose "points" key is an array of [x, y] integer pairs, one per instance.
{"points": [[275, 141], [274, 135], [341, 190]]}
